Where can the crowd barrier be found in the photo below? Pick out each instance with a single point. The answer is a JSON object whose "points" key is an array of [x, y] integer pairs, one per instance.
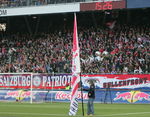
{"points": [[102, 96], [110, 88]]}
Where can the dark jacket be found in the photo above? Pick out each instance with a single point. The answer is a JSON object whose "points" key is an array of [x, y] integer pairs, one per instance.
{"points": [[91, 91]]}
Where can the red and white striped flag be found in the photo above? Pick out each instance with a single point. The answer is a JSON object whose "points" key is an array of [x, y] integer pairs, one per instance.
{"points": [[75, 72], [111, 25]]}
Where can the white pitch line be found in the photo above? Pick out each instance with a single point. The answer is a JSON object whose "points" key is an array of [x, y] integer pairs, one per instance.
{"points": [[11, 113], [111, 115], [34, 106]]}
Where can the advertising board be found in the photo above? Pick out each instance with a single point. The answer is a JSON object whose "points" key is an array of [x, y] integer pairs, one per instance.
{"points": [[102, 96], [103, 5]]}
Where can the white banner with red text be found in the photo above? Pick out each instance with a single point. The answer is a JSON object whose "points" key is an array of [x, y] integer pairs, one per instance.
{"points": [[62, 81]]}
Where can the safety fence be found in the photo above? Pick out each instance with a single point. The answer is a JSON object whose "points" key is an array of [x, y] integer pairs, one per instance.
{"points": [[121, 88]]}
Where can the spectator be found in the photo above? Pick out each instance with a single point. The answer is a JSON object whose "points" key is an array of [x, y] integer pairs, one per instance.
{"points": [[124, 50]]}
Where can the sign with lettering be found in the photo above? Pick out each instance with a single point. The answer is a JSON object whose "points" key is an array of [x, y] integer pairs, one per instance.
{"points": [[3, 12], [122, 81], [62, 81]]}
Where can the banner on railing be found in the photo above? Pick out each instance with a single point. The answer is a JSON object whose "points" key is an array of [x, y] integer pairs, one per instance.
{"points": [[15, 80], [40, 81], [62, 81], [122, 81], [48, 81]]}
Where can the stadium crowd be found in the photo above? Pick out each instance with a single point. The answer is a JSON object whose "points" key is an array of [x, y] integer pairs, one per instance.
{"points": [[123, 49], [17, 3]]}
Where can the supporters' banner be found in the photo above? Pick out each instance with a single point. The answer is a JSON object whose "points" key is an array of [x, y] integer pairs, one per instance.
{"points": [[42, 81], [62, 81], [123, 81], [15, 80], [48, 81]]}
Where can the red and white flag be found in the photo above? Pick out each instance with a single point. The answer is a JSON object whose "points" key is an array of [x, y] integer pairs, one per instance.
{"points": [[111, 25], [75, 72]]}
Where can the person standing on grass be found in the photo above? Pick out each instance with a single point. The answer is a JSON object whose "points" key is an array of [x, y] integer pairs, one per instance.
{"points": [[91, 97]]}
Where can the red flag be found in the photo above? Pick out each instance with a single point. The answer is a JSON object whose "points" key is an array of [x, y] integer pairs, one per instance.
{"points": [[75, 72], [111, 25]]}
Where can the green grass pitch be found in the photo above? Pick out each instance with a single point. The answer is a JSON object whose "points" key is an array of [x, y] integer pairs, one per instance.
{"points": [[18, 109]]}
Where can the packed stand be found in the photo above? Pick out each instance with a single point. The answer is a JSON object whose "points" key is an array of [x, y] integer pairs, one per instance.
{"points": [[125, 49], [12, 3], [18, 3]]}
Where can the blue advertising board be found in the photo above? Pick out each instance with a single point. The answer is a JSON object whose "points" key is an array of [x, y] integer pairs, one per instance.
{"points": [[102, 96], [138, 3]]}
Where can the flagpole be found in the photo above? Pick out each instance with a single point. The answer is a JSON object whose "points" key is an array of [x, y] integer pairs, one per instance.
{"points": [[80, 80], [81, 95], [76, 73]]}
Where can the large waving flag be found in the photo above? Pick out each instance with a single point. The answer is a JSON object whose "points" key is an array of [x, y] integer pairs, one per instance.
{"points": [[111, 25], [75, 72]]}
